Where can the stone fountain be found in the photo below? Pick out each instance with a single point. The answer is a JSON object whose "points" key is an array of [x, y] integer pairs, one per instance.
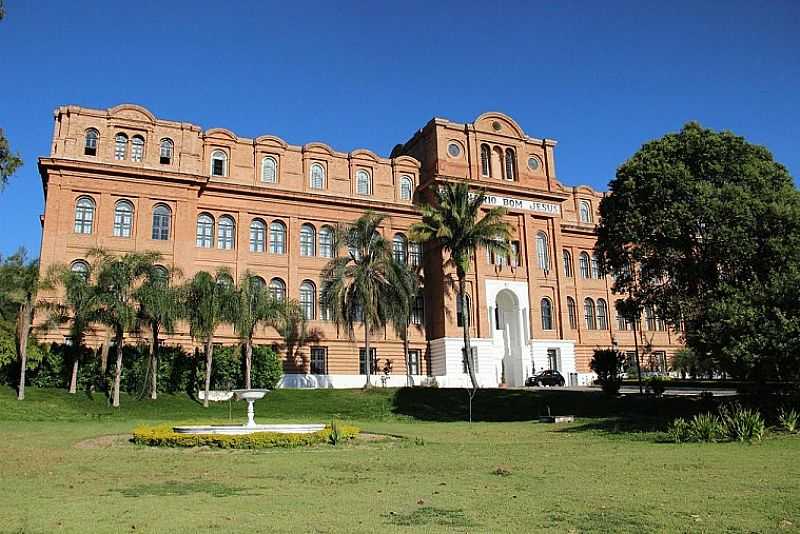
{"points": [[250, 396]]}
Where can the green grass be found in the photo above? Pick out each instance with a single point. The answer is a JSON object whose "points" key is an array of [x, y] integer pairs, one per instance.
{"points": [[600, 474]]}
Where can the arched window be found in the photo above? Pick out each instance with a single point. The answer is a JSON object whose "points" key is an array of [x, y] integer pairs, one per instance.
{"points": [[90, 142], [162, 217], [363, 183], [308, 300], [308, 240], [583, 259], [269, 170], [205, 231], [511, 165], [400, 248], [225, 232], [167, 147], [123, 219], [567, 263], [547, 314], [120, 146], [258, 283], [462, 315], [542, 251], [414, 254], [224, 280], [586, 211], [602, 315], [258, 235], [572, 312], [219, 163], [486, 156], [80, 268], [277, 289], [137, 148], [277, 238], [317, 176], [160, 273], [406, 188], [588, 313], [326, 244], [595, 267], [84, 215]]}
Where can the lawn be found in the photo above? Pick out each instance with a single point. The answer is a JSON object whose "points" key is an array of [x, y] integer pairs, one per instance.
{"points": [[66, 465]]}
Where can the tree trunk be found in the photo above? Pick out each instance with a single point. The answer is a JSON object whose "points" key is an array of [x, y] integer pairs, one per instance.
{"points": [[248, 362], [154, 364], [117, 372], [367, 355], [73, 381], [467, 347], [209, 359], [104, 353], [24, 320]]}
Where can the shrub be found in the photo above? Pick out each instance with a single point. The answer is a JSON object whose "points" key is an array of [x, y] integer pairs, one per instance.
{"points": [[606, 363], [678, 430], [742, 424], [267, 367], [657, 384], [705, 427], [164, 436], [788, 420]]}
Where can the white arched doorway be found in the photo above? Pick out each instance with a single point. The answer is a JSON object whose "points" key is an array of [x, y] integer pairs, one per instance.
{"points": [[508, 321]]}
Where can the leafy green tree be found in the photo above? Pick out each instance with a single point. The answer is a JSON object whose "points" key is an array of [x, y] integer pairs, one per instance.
{"points": [[457, 224], [357, 287], [206, 298], [607, 365], [19, 285], [292, 325], [251, 304], [712, 224], [159, 310], [118, 278], [9, 161]]}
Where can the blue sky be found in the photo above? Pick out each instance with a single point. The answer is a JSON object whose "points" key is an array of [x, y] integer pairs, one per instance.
{"points": [[600, 77]]}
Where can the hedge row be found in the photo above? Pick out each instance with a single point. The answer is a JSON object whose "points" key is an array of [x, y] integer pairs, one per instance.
{"points": [[164, 436]]}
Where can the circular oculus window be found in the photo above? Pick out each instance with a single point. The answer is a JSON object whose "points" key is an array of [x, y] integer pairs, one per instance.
{"points": [[533, 163], [454, 149]]}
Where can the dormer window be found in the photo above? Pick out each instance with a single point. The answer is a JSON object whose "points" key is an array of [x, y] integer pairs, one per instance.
{"points": [[90, 143], [219, 162], [120, 146], [269, 170], [363, 183], [406, 188], [585, 211], [167, 148], [317, 176]]}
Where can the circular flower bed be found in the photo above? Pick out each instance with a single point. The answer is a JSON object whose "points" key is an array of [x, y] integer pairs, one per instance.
{"points": [[164, 436]]}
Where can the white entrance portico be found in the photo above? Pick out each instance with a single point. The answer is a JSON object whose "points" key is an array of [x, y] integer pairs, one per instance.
{"points": [[508, 310]]}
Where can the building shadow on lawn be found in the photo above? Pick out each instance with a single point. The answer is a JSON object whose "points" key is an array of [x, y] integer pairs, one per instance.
{"points": [[626, 411]]}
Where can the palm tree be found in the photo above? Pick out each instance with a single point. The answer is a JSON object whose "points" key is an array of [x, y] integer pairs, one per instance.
{"points": [[159, 309], [19, 284], [251, 304], [79, 307], [117, 281], [205, 301], [454, 224], [406, 292], [292, 325], [358, 287]]}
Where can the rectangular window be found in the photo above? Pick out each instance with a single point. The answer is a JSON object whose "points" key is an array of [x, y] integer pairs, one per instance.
{"points": [[552, 359], [123, 222], [414, 254], [160, 227], [473, 359], [418, 311], [362, 361], [319, 360], [218, 167], [413, 361], [515, 258]]}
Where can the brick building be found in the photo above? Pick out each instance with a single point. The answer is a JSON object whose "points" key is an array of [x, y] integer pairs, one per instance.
{"points": [[125, 180]]}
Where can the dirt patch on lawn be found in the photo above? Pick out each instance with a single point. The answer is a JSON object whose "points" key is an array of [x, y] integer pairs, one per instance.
{"points": [[367, 436], [104, 442]]}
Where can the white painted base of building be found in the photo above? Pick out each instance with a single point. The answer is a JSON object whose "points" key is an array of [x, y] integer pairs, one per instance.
{"points": [[350, 381]]}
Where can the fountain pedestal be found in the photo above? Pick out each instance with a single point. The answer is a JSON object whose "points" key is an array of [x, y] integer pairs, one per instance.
{"points": [[251, 396]]}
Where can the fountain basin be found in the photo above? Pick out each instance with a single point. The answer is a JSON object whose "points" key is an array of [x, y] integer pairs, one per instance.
{"points": [[250, 394], [233, 430]]}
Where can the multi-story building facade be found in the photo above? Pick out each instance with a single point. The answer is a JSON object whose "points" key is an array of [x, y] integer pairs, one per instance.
{"points": [[124, 180]]}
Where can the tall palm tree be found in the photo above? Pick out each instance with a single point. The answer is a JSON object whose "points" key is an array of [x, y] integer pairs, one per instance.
{"points": [[292, 325], [159, 310], [19, 284], [406, 291], [79, 307], [454, 224], [206, 298], [251, 305], [357, 287], [118, 278]]}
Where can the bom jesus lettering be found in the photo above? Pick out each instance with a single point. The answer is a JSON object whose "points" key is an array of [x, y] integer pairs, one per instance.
{"points": [[519, 204]]}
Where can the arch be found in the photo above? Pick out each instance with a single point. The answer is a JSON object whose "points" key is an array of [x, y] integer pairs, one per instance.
{"points": [[219, 163], [226, 232], [327, 245], [567, 263], [363, 152], [485, 120], [120, 109], [162, 219], [258, 235], [316, 146], [308, 240], [160, 273], [166, 151], [123, 218], [308, 300], [137, 148], [81, 268], [224, 132], [277, 237], [584, 262], [271, 140], [589, 314], [225, 280], [602, 315], [547, 314], [510, 165], [486, 160], [316, 176], [257, 282], [406, 188], [585, 211], [363, 182], [543, 251], [269, 170], [90, 142], [205, 231], [572, 313], [84, 215], [120, 146], [277, 288]]}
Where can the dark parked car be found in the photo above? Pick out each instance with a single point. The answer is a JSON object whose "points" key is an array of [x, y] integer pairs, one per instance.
{"points": [[546, 378]]}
